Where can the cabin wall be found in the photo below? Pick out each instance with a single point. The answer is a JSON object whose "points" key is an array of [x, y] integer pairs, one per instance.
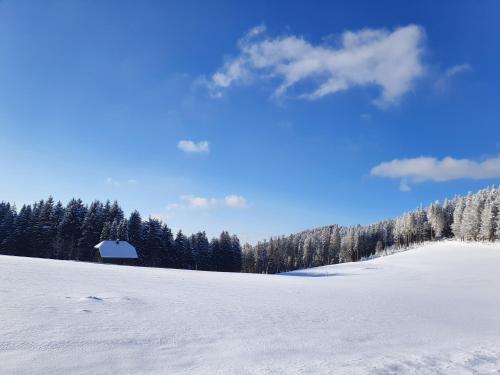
{"points": [[120, 261]]}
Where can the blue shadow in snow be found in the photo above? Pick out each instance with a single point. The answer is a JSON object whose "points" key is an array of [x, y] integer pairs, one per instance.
{"points": [[316, 274]]}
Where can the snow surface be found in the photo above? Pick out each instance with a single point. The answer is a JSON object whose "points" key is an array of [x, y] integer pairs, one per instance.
{"points": [[430, 310], [116, 249]]}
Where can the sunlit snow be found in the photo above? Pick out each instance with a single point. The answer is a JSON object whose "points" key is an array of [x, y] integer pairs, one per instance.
{"points": [[434, 309]]}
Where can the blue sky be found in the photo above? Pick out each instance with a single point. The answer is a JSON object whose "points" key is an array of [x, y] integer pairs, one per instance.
{"points": [[293, 114]]}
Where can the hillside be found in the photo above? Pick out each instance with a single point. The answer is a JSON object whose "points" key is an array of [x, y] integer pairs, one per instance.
{"points": [[429, 310]]}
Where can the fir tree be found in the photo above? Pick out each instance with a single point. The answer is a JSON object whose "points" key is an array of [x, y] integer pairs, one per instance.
{"points": [[152, 243], [180, 250], [135, 235], [202, 255], [91, 232]]}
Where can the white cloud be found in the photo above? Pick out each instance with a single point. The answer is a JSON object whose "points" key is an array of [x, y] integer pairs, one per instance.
{"points": [[194, 202], [235, 201], [193, 147], [111, 181], [199, 202], [431, 169], [391, 60], [117, 183], [457, 69]]}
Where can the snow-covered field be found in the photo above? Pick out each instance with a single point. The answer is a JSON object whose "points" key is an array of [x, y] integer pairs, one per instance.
{"points": [[431, 310]]}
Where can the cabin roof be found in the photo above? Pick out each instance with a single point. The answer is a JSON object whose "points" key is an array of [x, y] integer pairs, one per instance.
{"points": [[116, 249]]}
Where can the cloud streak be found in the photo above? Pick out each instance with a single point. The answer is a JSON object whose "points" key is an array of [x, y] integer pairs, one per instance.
{"points": [[390, 60], [193, 147], [116, 183], [195, 202], [457, 69], [423, 169]]}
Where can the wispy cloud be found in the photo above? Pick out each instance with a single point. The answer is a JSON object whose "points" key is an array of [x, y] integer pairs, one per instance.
{"points": [[457, 69], [116, 183], [431, 169], [235, 201], [391, 60], [193, 147], [444, 79], [111, 181], [195, 202]]}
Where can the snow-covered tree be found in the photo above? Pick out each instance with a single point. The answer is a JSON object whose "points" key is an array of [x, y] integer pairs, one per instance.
{"points": [[488, 222], [437, 220], [458, 214]]}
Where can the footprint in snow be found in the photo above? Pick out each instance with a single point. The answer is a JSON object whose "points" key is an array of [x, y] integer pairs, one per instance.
{"points": [[91, 298]]}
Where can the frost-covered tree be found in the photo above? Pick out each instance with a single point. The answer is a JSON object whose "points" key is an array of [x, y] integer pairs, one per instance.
{"points": [[458, 214], [437, 220], [488, 222], [471, 220], [448, 211], [334, 246]]}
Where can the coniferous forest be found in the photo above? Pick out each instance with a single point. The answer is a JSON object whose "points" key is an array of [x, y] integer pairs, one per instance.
{"points": [[50, 230], [47, 229], [474, 217]]}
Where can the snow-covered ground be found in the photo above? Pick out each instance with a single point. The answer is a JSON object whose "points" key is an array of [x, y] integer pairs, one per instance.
{"points": [[431, 310]]}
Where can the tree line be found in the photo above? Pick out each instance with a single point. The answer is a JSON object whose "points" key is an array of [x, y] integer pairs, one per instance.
{"points": [[474, 217], [47, 229], [50, 230]]}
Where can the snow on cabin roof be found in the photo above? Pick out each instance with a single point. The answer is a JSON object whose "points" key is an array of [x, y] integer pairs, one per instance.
{"points": [[116, 249]]}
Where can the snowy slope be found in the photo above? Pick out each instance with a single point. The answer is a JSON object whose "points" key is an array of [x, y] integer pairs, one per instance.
{"points": [[431, 310]]}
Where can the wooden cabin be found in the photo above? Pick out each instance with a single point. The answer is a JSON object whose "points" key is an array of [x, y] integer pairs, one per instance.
{"points": [[116, 252]]}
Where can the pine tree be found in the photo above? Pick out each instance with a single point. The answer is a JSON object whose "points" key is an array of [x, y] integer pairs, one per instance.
{"points": [[189, 254], [70, 228], [167, 240], [471, 220], [326, 234], [152, 243], [248, 259], [123, 230], [488, 222], [135, 235], [91, 232], [216, 262], [308, 251], [105, 232], [458, 214], [113, 229], [23, 233], [236, 254], [115, 213], [180, 250], [202, 255], [334, 247], [7, 224], [448, 211], [437, 220], [56, 220]]}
